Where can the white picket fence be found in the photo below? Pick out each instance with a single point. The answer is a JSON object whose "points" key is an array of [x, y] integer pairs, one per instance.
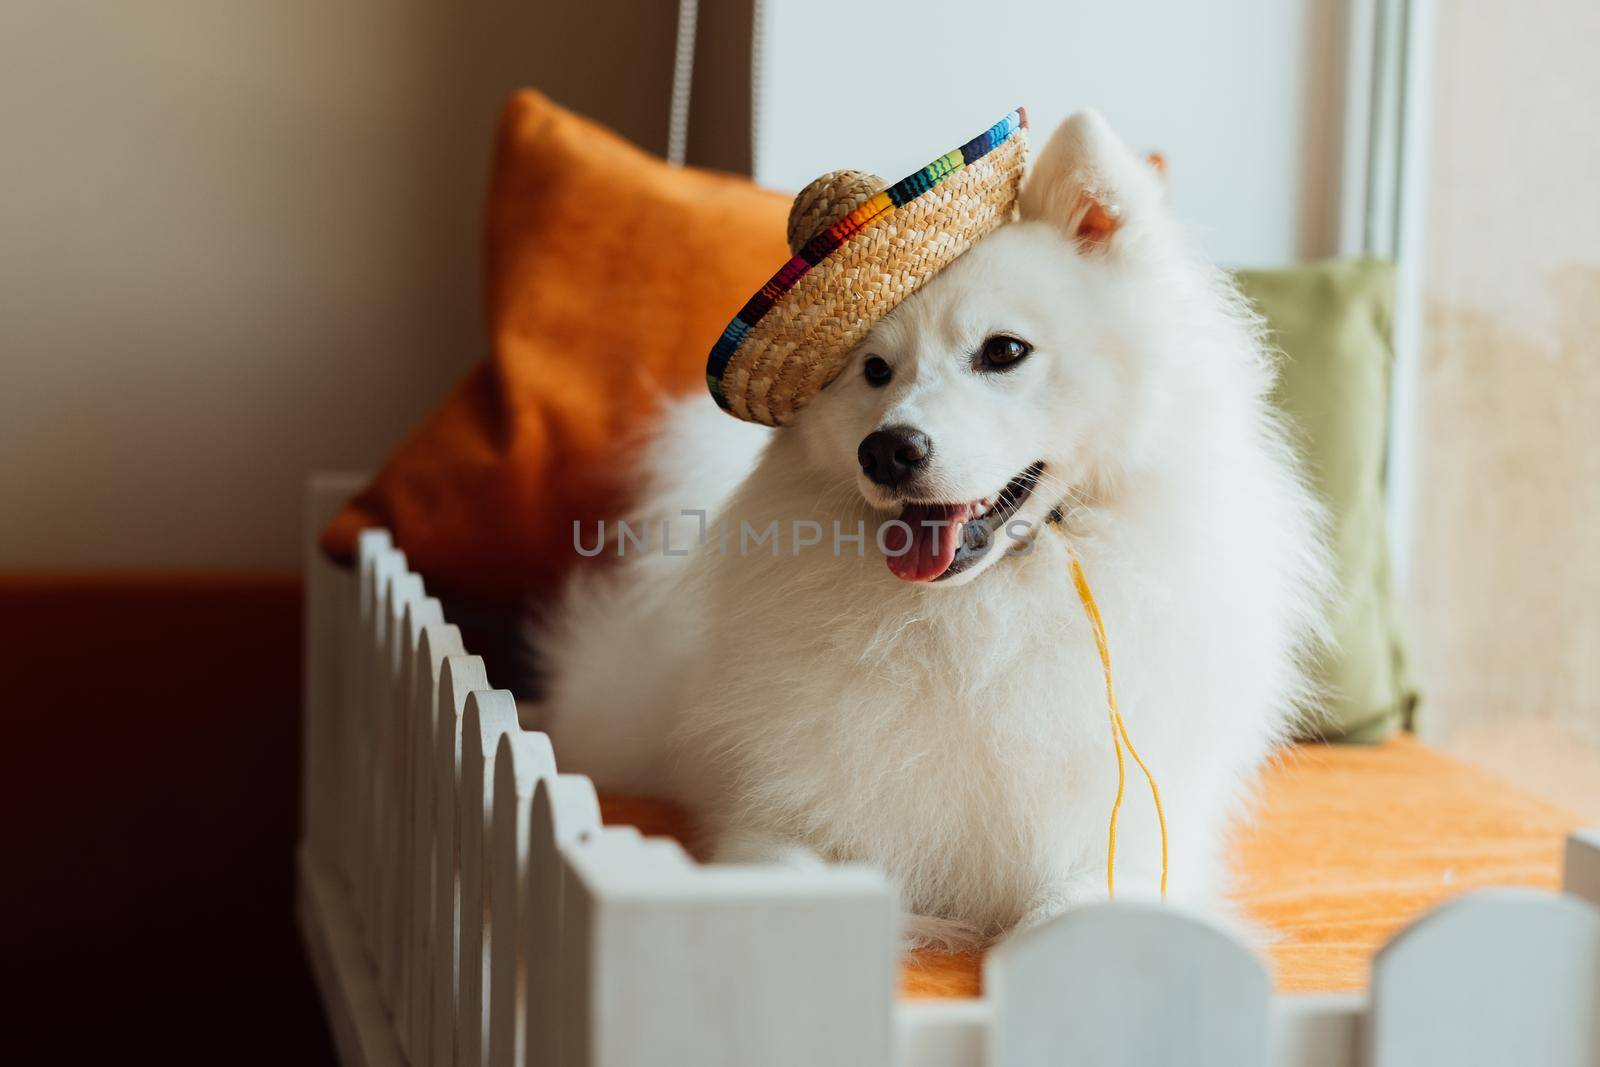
{"points": [[463, 904]]}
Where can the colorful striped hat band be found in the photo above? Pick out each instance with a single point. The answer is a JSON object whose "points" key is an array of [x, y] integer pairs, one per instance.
{"points": [[859, 250]]}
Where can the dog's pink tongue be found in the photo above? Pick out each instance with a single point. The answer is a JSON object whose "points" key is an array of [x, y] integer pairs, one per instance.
{"points": [[935, 533]]}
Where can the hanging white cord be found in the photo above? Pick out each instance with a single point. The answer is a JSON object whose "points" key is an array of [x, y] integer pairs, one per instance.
{"points": [[682, 82], [758, 19]]}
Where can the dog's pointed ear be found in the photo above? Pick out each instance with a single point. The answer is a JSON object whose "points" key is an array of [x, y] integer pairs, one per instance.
{"points": [[1088, 183]]}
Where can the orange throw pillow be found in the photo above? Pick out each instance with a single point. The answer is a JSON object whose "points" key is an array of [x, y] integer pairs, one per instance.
{"points": [[610, 275]]}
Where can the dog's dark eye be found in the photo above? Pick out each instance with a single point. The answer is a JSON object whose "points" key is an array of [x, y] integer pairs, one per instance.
{"points": [[1002, 352], [878, 371]]}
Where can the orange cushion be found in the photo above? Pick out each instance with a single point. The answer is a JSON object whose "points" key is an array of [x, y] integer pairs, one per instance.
{"points": [[1350, 843], [610, 274]]}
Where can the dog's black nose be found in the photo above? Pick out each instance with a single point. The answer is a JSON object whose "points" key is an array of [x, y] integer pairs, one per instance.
{"points": [[893, 454]]}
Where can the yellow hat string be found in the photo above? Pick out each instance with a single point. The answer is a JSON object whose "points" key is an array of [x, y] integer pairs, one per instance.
{"points": [[1119, 730]]}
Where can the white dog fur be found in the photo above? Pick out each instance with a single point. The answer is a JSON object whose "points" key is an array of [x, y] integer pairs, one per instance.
{"points": [[954, 734]]}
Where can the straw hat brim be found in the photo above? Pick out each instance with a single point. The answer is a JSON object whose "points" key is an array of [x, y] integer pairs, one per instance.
{"points": [[793, 336]]}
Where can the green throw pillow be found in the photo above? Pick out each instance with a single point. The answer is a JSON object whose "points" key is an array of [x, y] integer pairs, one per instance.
{"points": [[1332, 322]]}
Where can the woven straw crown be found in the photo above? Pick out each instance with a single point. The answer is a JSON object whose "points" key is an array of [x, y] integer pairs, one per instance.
{"points": [[826, 201], [859, 250]]}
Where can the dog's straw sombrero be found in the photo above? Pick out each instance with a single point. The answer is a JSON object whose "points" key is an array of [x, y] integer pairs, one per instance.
{"points": [[859, 250]]}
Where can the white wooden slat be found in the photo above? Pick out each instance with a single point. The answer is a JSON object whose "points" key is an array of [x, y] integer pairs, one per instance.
{"points": [[459, 676], [417, 617], [386, 566], [522, 760], [671, 962], [565, 811], [355, 650], [489, 714], [1322, 1030], [1495, 978], [374, 670], [370, 544], [405, 588], [374, 580], [575, 994], [1581, 870], [433, 645], [1127, 985], [942, 1033]]}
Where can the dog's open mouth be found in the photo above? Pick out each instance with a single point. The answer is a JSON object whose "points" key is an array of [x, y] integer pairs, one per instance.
{"points": [[940, 540]]}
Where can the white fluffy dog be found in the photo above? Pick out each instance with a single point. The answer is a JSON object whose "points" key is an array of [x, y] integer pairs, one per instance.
{"points": [[943, 717]]}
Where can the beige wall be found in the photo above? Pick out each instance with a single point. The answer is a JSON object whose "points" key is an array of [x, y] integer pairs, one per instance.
{"points": [[240, 240], [1507, 573]]}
